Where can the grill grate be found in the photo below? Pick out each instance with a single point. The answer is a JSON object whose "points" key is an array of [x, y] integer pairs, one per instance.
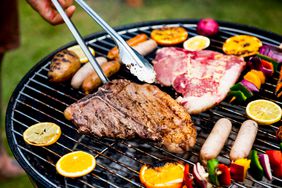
{"points": [[118, 161]]}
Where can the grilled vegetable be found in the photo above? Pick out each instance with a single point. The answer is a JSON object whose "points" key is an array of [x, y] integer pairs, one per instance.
{"points": [[168, 36], [237, 172], [225, 176], [249, 85], [113, 53], [253, 78], [279, 133], [260, 75], [273, 52], [245, 163], [278, 90], [261, 65], [275, 158], [63, 66], [237, 96], [188, 178], [212, 169], [256, 169], [273, 62], [264, 161], [242, 45], [93, 80], [240, 87], [200, 176], [207, 27]]}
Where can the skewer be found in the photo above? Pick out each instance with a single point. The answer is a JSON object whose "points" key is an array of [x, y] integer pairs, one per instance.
{"points": [[80, 41]]}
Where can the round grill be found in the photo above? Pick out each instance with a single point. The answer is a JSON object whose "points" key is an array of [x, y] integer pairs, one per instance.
{"points": [[118, 161]]}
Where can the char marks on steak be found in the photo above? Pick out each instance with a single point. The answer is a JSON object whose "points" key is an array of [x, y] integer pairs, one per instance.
{"points": [[122, 109], [203, 77]]}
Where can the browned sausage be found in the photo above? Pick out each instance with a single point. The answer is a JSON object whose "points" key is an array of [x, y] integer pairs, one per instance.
{"points": [[93, 81], [113, 53]]}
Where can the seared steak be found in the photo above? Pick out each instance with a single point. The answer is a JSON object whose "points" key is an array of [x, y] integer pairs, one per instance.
{"points": [[122, 109], [203, 77]]}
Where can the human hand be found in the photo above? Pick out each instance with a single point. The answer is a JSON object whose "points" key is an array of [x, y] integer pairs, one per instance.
{"points": [[46, 9]]}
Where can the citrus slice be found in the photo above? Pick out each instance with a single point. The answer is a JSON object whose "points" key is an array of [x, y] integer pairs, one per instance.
{"points": [[264, 112], [42, 134], [78, 51], [169, 35], [168, 176], [75, 164], [196, 43], [242, 45]]}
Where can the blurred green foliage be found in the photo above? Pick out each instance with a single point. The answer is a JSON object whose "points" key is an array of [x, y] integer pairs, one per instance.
{"points": [[38, 38]]}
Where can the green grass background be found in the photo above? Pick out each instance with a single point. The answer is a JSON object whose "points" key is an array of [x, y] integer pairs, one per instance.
{"points": [[38, 38]]}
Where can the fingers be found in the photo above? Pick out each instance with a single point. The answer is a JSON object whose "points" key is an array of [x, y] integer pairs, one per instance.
{"points": [[46, 9]]}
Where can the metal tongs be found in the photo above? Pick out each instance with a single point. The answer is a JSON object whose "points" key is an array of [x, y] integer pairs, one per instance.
{"points": [[135, 62]]}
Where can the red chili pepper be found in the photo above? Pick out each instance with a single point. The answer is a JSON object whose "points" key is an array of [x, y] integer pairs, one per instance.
{"points": [[224, 177], [275, 159], [188, 180]]}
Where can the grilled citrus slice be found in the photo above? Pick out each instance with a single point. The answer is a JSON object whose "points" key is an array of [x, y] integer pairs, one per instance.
{"points": [[264, 112], [242, 45], [78, 51], [196, 43], [42, 134], [170, 175], [75, 164], [168, 36]]}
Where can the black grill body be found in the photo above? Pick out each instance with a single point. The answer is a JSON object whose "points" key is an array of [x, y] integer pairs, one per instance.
{"points": [[118, 161]]}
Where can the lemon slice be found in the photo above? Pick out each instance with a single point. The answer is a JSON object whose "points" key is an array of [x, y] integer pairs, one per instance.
{"points": [[42, 134], [78, 51], [75, 164], [196, 43], [264, 112]]}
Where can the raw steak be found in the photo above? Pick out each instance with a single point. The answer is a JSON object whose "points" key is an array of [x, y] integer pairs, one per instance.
{"points": [[203, 78]]}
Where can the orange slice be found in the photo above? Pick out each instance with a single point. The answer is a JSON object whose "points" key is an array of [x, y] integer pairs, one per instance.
{"points": [[242, 45], [168, 176], [169, 35], [264, 112], [75, 164], [42, 134]]}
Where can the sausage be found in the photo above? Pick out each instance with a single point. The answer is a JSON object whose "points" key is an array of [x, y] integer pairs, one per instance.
{"points": [[216, 140], [113, 53], [93, 81], [244, 140], [83, 72], [63, 66], [146, 47]]}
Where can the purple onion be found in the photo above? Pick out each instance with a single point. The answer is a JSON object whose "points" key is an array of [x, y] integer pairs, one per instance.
{"points": [[207, 27], [249, 85], [254, 63], [273, 52]]}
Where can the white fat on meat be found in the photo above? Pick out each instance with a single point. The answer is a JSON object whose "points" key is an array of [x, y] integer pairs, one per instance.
{"points": [[203, 78]]}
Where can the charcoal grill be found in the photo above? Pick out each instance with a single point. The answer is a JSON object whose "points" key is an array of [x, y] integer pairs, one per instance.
{"points": [[118, 161]]}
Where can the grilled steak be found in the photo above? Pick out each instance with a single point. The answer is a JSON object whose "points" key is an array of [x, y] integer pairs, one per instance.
{"points": [[122, 109], [203, 78]]}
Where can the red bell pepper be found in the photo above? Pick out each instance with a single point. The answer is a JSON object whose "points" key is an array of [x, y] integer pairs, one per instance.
{"points": [[188, 180], [237, 172], [224, 177], [275, 159]]}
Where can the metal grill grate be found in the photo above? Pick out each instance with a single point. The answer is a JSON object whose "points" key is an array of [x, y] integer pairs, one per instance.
{"points": [[118, 161]]}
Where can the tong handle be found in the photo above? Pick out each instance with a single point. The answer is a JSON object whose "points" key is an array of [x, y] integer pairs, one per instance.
{"points": [[80, 41], [122, 45]]}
